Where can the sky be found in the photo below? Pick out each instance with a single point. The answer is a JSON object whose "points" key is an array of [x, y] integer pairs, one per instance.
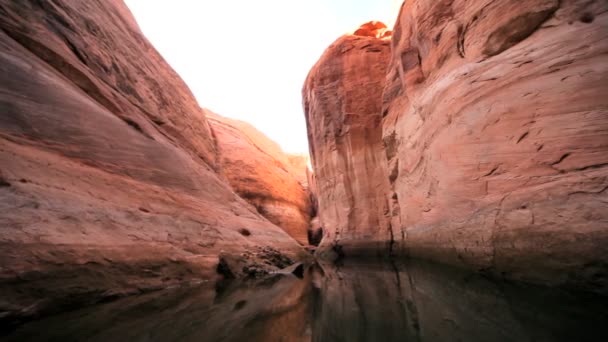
{"points": [[248, 59]]}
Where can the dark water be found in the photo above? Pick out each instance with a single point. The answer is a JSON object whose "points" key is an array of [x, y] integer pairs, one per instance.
{"points": [[351, 302]]}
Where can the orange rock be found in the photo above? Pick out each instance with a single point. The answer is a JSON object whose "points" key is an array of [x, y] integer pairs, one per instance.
{"points": [[260, 172], [343, 102], [298, 163], [495, 138], [496, 127], [108, 185], [375, 29]]}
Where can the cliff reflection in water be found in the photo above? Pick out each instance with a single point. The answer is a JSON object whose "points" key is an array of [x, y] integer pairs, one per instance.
{"points": [[351, 302]]}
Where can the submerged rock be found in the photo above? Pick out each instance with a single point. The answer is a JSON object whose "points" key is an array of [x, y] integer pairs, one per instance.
{"points": [[255, 263], [296, 269]]}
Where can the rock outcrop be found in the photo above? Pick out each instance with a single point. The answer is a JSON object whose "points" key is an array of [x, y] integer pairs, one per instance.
{"points": [[107, 163], [260, 172], [374, 29], [343, 103], [495, 133]]}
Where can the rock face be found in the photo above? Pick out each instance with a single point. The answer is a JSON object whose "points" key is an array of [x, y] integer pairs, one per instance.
{"points": [[343, 102], [260, 172], [107, 163], [298, 163], [495, 131]]}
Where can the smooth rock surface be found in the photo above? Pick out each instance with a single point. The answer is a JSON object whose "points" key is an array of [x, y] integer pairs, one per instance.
{"points": [[343, 102], [496, 126], [260, 172], [495, 131], [107, 162]]}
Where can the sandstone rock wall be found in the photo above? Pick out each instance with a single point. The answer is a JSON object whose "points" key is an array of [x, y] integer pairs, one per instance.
{"points": [[298, 163], [260, 172], [343, 102], [495, 132], [107, 182], [496, 125]]}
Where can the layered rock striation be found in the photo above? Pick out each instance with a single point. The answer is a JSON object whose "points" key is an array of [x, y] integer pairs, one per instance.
{"points": [[343, 103], [108, 182], [495, 138]]}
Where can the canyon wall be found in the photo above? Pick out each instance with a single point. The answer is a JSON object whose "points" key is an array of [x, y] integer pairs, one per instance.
{"points": [[265, 176], [343, 100], [495, 133], [108, 182]]}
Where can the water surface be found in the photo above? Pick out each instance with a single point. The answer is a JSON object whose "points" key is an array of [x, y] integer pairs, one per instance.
{"points": [[351, 302]]}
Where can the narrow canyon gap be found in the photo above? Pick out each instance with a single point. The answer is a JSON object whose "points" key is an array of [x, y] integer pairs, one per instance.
{"points": [[472, 133]]}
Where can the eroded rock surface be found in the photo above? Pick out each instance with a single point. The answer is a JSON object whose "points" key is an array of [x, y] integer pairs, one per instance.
{"points": [[343, 102], [107, 163], [260, 172], [495, 131]]}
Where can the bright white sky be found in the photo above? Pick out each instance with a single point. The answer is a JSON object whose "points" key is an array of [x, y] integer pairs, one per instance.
{"points": [[248, 59]]}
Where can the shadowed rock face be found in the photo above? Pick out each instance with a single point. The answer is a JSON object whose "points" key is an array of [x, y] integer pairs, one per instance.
{"points": [[260, 172], [342, 102], [495, 133], [107, 163]]}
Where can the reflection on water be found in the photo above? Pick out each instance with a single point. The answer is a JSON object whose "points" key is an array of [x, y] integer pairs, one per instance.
{"points": [[351, 302]]}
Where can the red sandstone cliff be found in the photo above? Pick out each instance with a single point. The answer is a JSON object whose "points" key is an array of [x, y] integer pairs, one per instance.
{"points": [[495, 131], [343, 103], [107, 181], [260, 172]]}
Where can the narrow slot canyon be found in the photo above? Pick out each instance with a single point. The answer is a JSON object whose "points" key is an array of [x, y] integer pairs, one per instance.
{"points": [[442, 178]]}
